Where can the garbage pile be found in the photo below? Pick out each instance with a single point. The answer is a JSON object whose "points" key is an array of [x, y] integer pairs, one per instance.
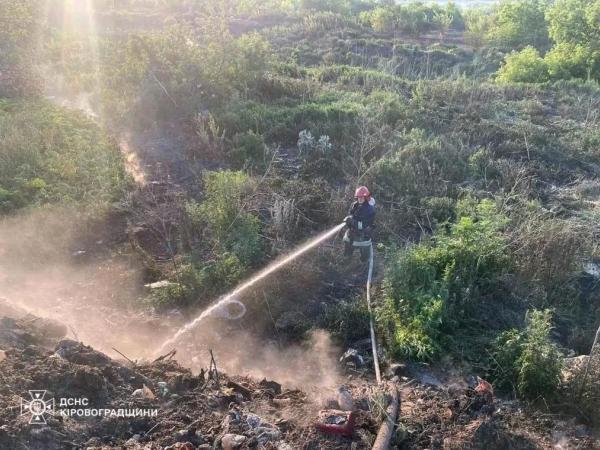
{"points": [[466, 414], [57, 393], [93, 401]]}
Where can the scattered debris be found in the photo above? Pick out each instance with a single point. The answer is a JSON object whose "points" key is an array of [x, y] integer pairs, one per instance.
{"points": [[484, 388], [212, 408], [344, 399], [232, 441], [352, 359], [397, 370], [169, 355], [270, 386]]}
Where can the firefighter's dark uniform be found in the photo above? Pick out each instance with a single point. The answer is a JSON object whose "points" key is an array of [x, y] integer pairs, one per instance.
{"points": [[360, 229]]}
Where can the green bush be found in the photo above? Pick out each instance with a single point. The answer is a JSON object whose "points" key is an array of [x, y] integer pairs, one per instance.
{"points": [[519, 23], [435, 286], [20, 26], [331, 114], [249, 151], [413, 18], [348, 321], [51, 155], [224, 212], [528, 361], [566, 61], [415, 168], [198, 284], [526, 66]]}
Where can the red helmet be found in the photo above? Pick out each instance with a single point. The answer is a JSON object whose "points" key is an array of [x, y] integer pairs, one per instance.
{"points": [[362, 191]]}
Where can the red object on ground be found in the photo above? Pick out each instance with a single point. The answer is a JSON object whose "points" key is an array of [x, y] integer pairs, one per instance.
{"points": [[343, 430]]}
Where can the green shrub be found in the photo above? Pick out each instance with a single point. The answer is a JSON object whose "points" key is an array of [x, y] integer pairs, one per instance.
{"points": [[249, 151], [332, 114], [20, 24], [415, 168], [566, 61], [519, 23], [51, 155], [528, 361], [526, 66], [432, 288], [224, 212], [194, 284], [439, 209], [382, 19], [349, 321]]}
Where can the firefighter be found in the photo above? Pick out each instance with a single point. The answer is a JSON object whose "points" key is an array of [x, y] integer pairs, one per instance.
{"points": [[359, 224]]}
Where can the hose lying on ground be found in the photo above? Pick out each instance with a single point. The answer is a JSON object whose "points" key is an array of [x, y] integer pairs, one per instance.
{"points": [[373, 342]]}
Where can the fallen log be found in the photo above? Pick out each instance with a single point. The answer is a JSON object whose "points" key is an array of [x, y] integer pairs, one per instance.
{"points": [[382, 442]]}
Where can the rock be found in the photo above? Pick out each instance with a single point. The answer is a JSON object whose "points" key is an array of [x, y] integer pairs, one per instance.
{"points": [[344, 399], [2, 355], [352, 358], [232, 441]]}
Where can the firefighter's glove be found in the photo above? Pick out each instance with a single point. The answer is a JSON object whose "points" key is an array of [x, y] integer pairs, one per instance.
{"points": [[349, 221]]}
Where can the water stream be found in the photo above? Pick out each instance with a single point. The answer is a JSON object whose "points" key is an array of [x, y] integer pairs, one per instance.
{"points": [[229, 306]]}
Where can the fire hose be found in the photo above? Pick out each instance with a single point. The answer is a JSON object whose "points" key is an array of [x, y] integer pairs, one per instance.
{"points": [[373, 341], [384, 436]]}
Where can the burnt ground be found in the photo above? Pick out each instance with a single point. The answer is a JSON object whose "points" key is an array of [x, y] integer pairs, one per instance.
{"points": [[217, 410]]}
